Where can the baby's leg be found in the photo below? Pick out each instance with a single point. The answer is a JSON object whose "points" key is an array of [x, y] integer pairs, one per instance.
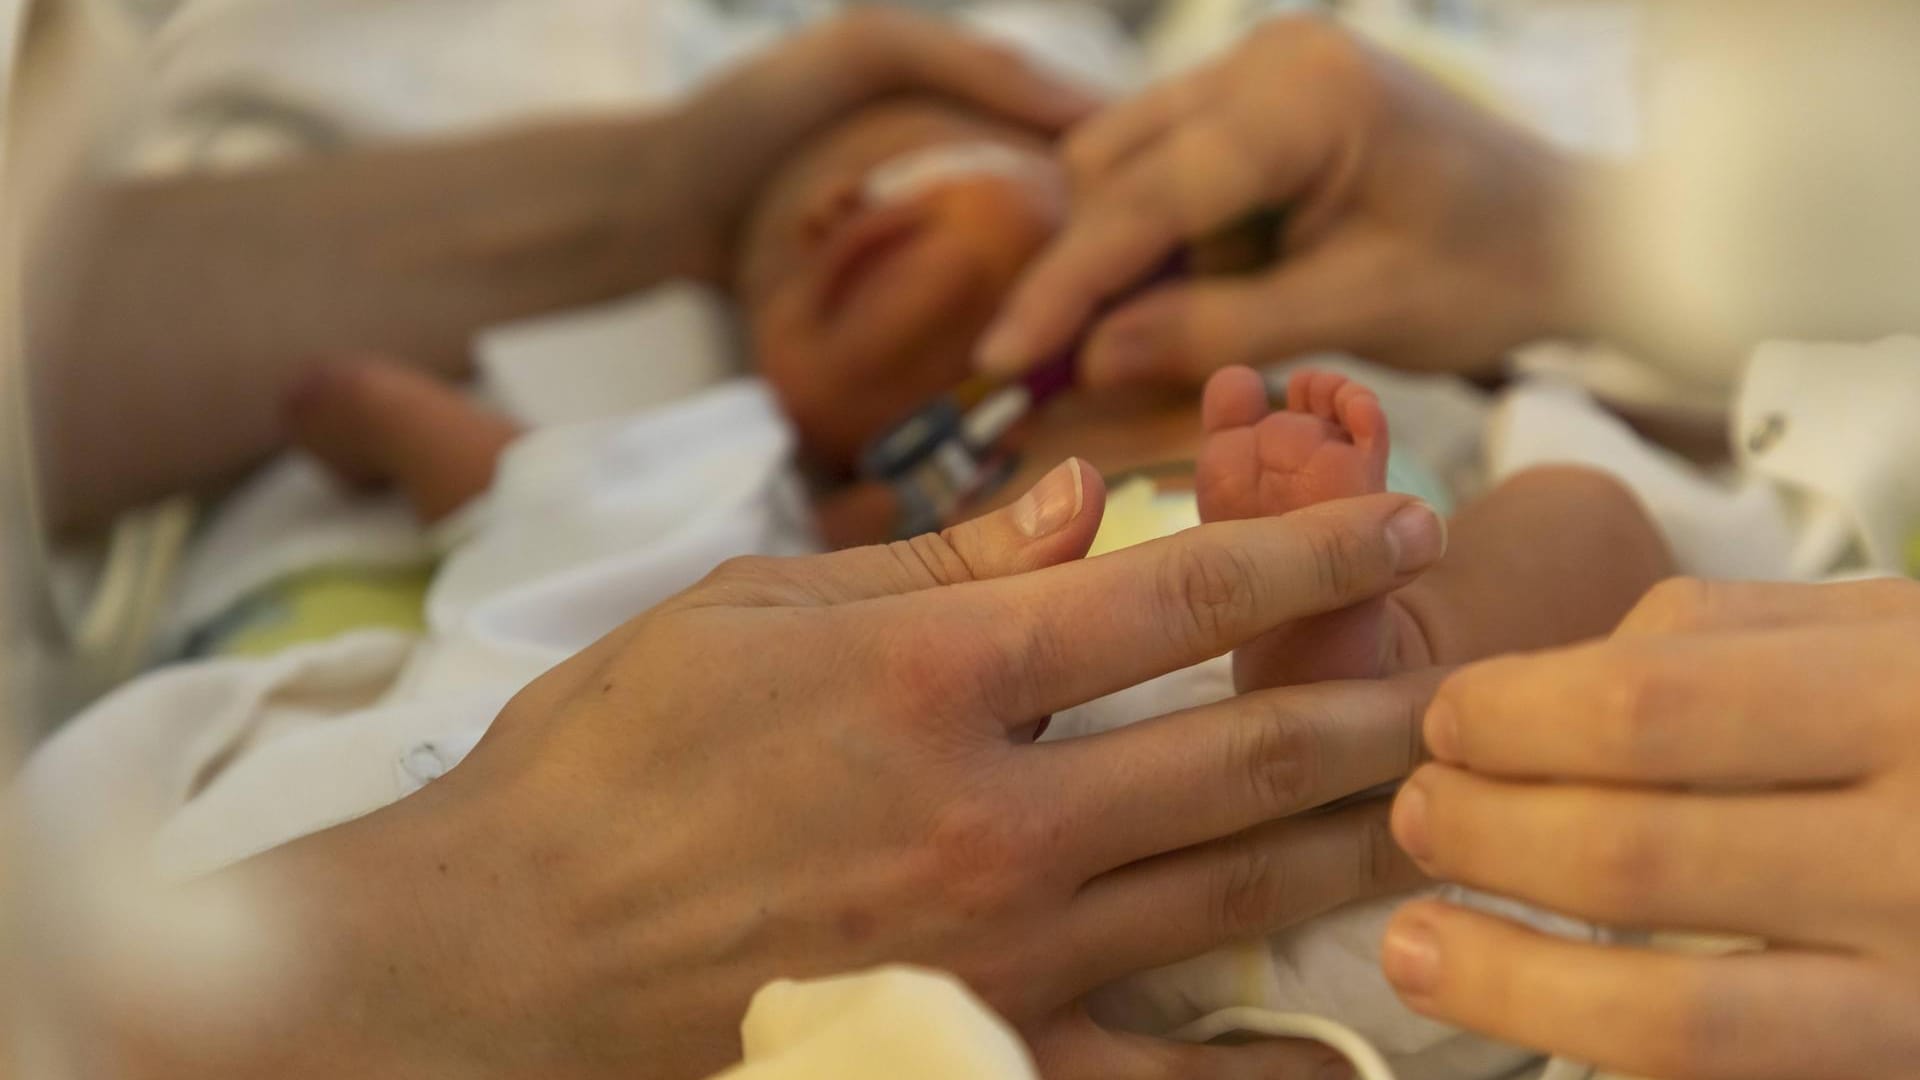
{"points": [[1329, 441], [1552, 556], [375, 423]]}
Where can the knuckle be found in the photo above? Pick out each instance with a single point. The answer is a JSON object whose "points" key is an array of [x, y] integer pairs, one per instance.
{"points": [[1701, 1029], [741, 568], [982, 859], [977, 665], [1644, 697], [1281, 755], [1676, 605], [1334, 563], [1247, 888], [939, 673], [1206, 585], [1629, 866], [739, 580]]}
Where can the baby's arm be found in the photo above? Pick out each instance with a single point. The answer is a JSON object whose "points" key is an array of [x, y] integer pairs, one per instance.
{"points": [[375, 422]]}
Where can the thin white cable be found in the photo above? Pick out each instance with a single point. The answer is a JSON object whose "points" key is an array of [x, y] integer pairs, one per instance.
{"points": [[1366, 1061], [1561, 1069]]}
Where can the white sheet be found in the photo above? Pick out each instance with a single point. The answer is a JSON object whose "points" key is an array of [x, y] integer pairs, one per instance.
{"points": [[590, 525]]}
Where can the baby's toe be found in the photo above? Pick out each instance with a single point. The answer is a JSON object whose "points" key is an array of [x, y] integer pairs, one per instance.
{"points": [[1235, 397], [1358, 411]]}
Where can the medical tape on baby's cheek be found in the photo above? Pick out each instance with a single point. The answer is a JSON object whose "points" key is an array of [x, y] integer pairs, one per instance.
{"points": [[911, 174]]}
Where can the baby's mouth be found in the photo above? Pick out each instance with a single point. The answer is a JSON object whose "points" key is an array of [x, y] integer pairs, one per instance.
{"points": [[862, 246]]}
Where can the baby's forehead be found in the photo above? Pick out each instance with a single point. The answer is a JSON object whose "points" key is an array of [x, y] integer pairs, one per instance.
{"points": [[847, 153]]}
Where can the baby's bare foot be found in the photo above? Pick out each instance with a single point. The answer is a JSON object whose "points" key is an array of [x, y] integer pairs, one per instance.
{"points": [[1328, 442], [376, 423]]}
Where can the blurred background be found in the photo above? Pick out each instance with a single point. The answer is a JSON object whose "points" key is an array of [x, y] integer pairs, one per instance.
{"points": [[1765, 149], [231, 85]]}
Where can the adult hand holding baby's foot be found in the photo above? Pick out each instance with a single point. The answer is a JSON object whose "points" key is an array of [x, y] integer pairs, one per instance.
{"points": [[1327, 441], [811, 766]]}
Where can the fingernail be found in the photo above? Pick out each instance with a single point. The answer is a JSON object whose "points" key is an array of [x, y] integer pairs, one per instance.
{"points": [[1411, 957], [1410, 822], [1418, 536], [1052, 503], [1443, 732]]}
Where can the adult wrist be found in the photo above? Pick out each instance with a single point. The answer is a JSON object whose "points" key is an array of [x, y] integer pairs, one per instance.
{"points": [[374, 931]]}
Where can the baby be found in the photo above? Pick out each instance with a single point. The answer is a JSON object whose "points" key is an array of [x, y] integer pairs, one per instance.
{"points": [[873, 263]]}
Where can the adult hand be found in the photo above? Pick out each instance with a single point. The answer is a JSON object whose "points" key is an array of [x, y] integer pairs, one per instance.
{"points": [[1739, 759], [801, 767], [736, 131], [1422, 230]]}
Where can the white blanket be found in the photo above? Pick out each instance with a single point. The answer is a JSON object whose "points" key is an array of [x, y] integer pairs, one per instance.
{"points": [[588, 525]]}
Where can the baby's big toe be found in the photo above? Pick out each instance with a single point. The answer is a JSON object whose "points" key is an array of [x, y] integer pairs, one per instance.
{"points": [[1236, 397]]}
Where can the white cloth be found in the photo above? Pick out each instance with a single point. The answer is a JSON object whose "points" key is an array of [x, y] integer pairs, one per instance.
{"points": [[202, 765], [1833, 427], [1717, 527], [1327, 967], [1825, 478], [882, 1025]]}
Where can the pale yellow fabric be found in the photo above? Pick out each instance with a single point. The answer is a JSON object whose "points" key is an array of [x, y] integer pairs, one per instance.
{"points": [[883, 1025]]}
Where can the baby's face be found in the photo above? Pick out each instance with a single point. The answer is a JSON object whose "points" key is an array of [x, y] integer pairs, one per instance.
{"points": [[877, 257]]}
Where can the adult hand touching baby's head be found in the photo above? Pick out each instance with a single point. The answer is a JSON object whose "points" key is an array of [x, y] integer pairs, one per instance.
{"points": [[810, 766], [737, 130], [1420, 230]]}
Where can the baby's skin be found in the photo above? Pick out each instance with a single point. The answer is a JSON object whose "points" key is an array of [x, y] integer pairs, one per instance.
{"points": [[1327, 440]]}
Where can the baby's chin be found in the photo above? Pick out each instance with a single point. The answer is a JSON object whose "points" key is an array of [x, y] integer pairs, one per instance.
{"points": [[904, 335], [840, 400], [844, 386]]}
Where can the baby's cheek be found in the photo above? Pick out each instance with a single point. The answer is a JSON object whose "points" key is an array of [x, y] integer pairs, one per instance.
{"points": [[1005, 224], [796, 362]]}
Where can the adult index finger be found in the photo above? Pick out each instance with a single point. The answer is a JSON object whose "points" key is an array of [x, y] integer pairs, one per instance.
{"points": [[1021, 647]]}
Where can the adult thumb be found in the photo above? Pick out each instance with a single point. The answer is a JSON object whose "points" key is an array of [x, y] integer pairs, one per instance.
{"points": [[1052, 523]]}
